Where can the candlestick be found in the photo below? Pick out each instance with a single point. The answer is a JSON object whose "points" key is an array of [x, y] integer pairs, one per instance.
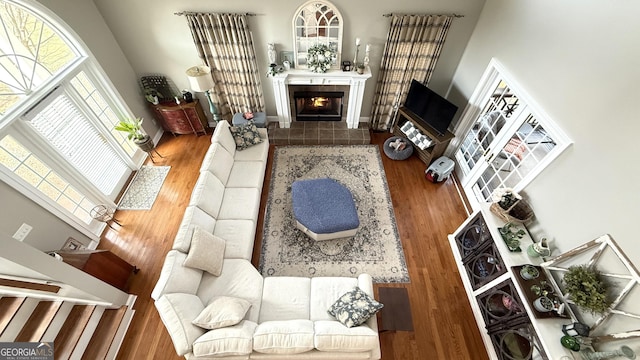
{"points": [[357, 41], [365, 61]]}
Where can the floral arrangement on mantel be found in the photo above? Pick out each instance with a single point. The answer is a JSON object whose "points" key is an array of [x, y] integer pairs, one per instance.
{"points": [[319, 58]]}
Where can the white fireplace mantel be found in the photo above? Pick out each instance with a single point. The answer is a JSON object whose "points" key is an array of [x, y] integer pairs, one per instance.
{"points": [[352, 79]]}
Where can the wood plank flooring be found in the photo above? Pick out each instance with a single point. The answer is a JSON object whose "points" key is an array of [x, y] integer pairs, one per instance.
{"points": [[444, 327]]}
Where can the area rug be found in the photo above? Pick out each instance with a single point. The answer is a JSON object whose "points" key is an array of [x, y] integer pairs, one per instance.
{"points": [[375, 249], [144, 189]]}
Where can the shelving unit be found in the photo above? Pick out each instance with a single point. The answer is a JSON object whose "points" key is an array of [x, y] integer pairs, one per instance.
{"points": [[489, 272], [428, 144]]}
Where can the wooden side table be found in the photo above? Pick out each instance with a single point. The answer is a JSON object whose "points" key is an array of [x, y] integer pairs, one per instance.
{"points": [[183, 118]]}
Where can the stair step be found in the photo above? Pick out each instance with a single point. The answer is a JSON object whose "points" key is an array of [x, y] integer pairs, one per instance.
{"points": [[8, 308], [39, 321], [72, 329], [19, 320], [57, 322], [104, 334]]}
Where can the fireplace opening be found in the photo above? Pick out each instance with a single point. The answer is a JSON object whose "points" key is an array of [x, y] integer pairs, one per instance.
{"points": [[318, 105]]}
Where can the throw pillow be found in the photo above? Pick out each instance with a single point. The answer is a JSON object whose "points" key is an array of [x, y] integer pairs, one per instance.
{"points": [[206, 252], [221, 312], [354, 308], [246, 135]]}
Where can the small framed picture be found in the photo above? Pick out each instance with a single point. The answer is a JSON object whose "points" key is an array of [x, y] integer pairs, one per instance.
{"points": [[72, 245], [287, 56]]}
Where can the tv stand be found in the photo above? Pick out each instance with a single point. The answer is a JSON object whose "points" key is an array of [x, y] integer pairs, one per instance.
{"points": [[439, 142]]}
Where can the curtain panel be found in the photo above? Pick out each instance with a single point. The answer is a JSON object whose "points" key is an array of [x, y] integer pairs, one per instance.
{"points": [[225, 44], [413, 46]]}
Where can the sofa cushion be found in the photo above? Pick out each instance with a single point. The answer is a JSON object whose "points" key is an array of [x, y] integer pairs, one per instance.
{"points": [[283, 337], [222, 135], [258, 152], [240, 203], [218, 161], [222, 311], [194, 216], [239, 234], [325, 291], [285, 298], [246, 135], [246, 174], [206, 252], [177, 311], [227, 341], [176, 278], [354, 307], [333, 336], [208, 193], [239, 279]]}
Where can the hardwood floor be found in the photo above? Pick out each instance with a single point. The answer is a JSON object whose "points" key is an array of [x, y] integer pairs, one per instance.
{"points": [[444, 327]]}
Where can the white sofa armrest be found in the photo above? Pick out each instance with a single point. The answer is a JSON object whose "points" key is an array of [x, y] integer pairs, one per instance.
{"points": [[177, 311], [175, 277]]}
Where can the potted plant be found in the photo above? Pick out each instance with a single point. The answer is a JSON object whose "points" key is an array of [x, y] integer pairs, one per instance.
{"points": [[587, 289], [511, 236], [133, 127], [360, 68]]}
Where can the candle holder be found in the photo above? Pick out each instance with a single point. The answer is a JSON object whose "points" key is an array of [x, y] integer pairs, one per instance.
{"points": [[625, 351]]}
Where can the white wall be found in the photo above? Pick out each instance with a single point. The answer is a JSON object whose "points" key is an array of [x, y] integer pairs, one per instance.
{"points": [[578, 60], [157, 41]]}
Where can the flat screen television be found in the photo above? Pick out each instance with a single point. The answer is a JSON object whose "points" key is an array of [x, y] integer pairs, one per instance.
{"points": [[434, 110]]}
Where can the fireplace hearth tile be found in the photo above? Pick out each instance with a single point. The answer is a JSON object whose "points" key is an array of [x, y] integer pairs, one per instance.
{"points": [[309, 133]]}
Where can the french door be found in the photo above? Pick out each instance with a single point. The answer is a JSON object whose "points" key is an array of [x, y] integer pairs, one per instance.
{"points": [[508, 141]]}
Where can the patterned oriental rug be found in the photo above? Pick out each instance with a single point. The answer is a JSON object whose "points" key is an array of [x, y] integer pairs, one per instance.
{"points": [[375, 249], [144, 189]]}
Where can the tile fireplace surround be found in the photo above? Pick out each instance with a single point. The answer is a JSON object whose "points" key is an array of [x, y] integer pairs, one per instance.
{"points": [[352, 82]]}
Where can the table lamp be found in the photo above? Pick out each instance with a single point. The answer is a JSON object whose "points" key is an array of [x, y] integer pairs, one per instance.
{"points": [[200, 80]]}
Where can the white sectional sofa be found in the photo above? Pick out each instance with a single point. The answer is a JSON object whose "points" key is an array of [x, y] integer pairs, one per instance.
{"points": [[287, 317]]}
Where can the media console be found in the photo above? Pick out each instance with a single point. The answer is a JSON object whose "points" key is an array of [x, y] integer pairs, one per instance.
{"points": [[438, 144]]}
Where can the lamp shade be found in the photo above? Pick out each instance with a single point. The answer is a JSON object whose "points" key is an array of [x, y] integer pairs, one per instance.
{"points": [[200, 79]]}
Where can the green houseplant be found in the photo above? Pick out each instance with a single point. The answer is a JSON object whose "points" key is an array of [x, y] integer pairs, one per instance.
{"points": [[133, 128], [587, 288]]}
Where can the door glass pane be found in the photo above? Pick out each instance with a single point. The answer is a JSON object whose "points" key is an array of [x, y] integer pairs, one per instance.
{"points": [[497, 111], [522, 154]]}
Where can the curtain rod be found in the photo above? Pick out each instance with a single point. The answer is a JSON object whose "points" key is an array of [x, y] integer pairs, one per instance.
{"points": [[195, 12], [391, 14]]}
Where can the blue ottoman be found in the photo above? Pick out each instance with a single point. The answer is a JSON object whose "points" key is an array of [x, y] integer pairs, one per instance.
{"points": [[259, 118], [324, 209]]}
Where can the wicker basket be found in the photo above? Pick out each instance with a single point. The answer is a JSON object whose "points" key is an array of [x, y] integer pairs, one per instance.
{"points": [[520, 212]]}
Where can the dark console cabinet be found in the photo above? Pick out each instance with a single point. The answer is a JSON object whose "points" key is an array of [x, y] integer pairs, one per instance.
{"points": [[183, 118]]}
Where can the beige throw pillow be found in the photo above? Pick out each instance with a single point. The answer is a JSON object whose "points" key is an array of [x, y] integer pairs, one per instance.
{"points": [[222, 311], [206, 252]]}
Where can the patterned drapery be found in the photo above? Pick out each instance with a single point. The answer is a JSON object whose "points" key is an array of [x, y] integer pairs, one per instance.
{"points": [[225, 44], [414, 43]]}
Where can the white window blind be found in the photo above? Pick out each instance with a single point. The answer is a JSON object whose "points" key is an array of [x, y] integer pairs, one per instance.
{"points": [[65, 127]]}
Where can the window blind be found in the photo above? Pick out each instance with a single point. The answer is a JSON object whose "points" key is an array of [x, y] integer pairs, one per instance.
{"points": [[64, 126]]}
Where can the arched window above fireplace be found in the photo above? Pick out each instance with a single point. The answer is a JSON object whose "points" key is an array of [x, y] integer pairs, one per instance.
{"points": [[316, 22]]}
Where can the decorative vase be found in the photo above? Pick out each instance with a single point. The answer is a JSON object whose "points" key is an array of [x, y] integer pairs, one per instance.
{"points": [[538, 249]]}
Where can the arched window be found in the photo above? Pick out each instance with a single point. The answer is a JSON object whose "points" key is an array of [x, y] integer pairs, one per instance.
{"points": [[316, 22], [57, 114]]}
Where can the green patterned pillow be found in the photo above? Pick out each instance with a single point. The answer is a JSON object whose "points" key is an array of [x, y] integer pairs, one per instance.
{"points": [[354, 308], [245, 135]]}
